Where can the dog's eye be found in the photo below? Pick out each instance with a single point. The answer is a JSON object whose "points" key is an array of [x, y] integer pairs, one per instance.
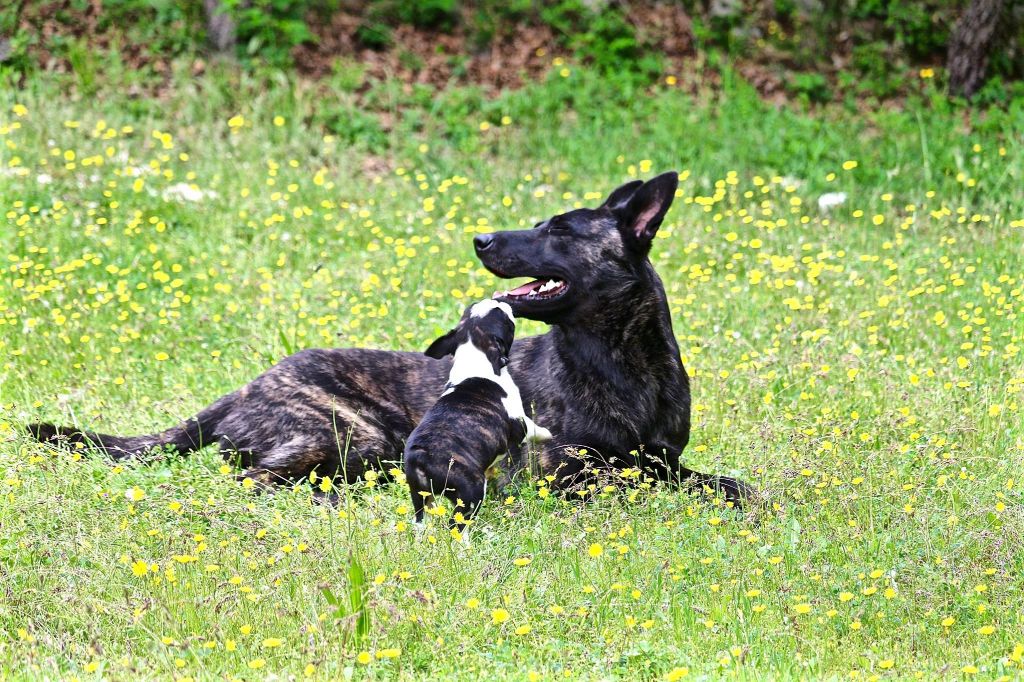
{"points": [[558, 228]]}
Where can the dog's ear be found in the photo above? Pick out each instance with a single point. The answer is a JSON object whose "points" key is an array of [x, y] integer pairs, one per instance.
{"points": [[641, 216], [621, 194], [442, 346]]}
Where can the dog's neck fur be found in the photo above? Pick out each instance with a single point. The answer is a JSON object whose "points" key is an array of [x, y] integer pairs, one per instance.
{"points": [[638, 336], [625, 366]]}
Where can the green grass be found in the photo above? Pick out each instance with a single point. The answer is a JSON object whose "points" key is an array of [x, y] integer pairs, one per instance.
{"points": [[862, 367]]}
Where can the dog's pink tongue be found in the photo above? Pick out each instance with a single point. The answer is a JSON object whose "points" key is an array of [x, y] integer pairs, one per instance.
{"points": [[526, 288]]}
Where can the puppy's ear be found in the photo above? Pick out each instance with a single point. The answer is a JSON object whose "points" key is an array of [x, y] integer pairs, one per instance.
{"points": [[641, 216], [442, 346], [504, 347], [621, 194]]}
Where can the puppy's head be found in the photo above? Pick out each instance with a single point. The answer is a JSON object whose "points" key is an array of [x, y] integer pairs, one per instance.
{"points": [[489, 326]]}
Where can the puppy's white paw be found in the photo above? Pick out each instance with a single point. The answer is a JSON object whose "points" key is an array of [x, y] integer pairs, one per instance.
{"points": [[535, 432], [541, 435]]}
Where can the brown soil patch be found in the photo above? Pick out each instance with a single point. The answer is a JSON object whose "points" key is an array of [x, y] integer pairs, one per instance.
{"points": [[432, 58]]}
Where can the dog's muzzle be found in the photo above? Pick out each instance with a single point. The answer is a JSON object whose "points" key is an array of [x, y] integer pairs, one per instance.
{"points": [[482, 242]]}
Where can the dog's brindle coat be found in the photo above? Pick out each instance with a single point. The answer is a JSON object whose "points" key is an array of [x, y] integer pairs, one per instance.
{"points": [[607, 378]]}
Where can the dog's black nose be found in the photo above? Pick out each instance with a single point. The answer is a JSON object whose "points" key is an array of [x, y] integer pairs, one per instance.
{"points": [[482, 242]]}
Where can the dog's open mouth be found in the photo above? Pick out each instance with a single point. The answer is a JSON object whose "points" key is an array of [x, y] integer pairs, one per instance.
{"points": [[537, 290]]}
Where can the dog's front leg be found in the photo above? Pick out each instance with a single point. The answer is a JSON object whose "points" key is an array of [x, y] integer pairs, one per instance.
{"points": [[662, 461], [734, 490]]}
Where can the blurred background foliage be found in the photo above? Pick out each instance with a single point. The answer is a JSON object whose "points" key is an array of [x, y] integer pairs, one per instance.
{"points": [[813, 51]]}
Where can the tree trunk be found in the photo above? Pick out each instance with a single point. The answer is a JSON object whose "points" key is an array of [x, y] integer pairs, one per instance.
{"points": [[11, 23], [220, 26], [973, 39]]}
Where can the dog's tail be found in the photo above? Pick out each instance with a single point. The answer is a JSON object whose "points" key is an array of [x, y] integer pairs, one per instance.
{"points": [[188, 436]]}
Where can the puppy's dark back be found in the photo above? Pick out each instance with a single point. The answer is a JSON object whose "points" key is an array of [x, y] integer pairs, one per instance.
{"points": [[470, 424]]}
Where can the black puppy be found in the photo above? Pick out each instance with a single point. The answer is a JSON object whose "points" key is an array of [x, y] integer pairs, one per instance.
{"points": [[479, 416]]}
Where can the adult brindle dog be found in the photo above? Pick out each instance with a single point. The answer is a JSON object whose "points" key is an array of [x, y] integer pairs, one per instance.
{"points": [[606, 380]]}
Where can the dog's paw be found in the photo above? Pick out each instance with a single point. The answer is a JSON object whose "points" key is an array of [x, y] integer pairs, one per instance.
{"points": [[734, 490]]}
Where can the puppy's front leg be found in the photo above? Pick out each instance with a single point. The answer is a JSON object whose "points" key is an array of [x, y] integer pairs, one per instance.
{"points": [[535, 432]]}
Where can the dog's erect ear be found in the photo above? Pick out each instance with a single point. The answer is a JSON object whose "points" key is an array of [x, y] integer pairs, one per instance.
{"points": [[621, 194], [442, 346], [641, 216]]}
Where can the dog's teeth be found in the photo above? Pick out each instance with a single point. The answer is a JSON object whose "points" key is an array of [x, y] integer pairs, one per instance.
{"points": [[549, 285]]}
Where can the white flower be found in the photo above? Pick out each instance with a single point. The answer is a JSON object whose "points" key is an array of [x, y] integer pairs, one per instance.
{"points": [[44, 179], [186, 192], [831, 200]]}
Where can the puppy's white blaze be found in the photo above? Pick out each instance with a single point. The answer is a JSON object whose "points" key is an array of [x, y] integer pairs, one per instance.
{"points": [[483, 307], [471, 362]]}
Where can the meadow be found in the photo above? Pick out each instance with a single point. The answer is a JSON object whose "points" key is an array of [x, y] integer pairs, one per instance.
{"points": [[860, 364]]}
